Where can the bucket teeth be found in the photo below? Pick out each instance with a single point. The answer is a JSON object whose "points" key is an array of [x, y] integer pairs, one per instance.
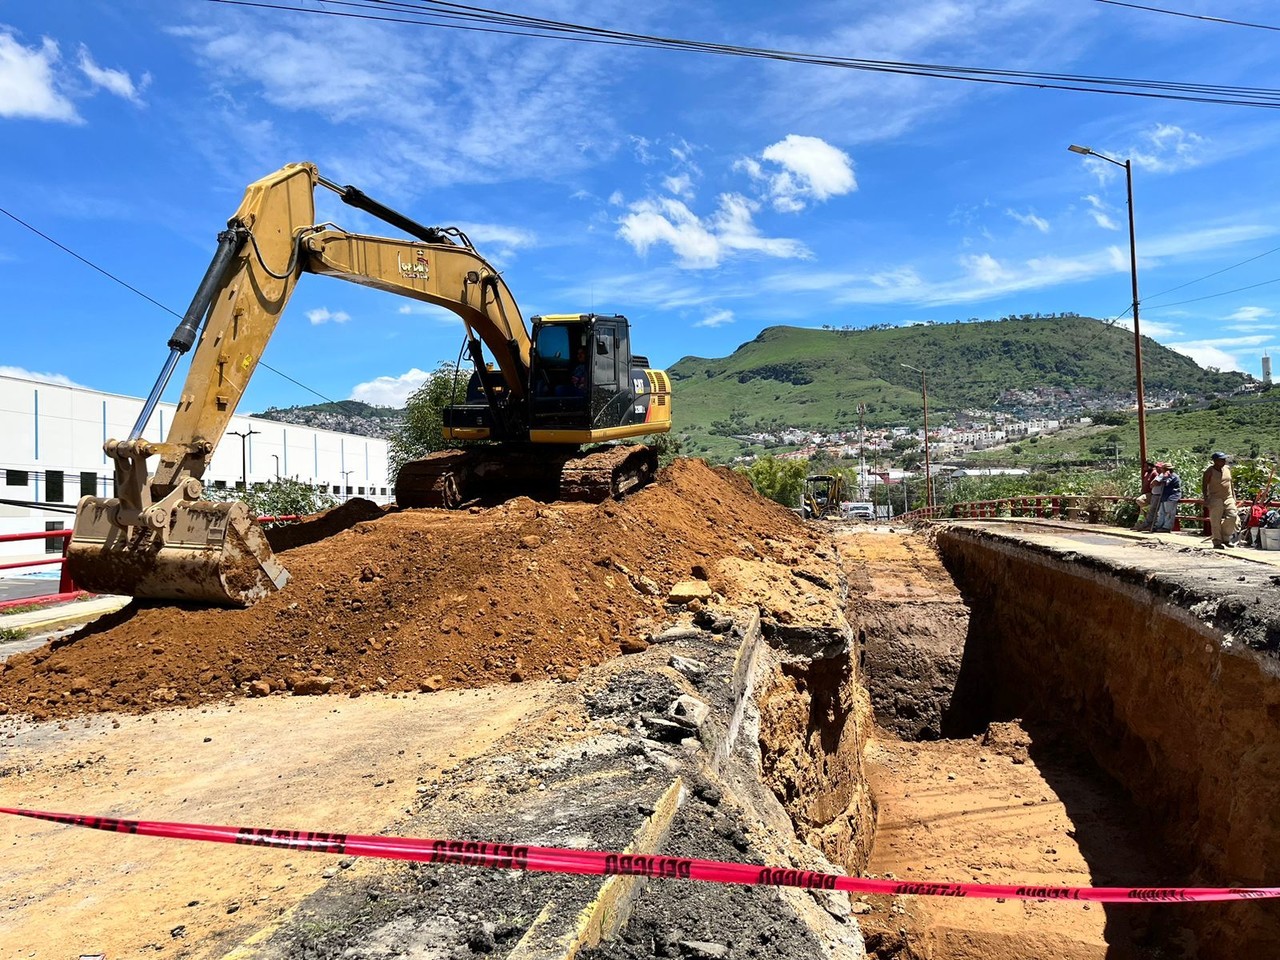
{"points": [[214, 553]]}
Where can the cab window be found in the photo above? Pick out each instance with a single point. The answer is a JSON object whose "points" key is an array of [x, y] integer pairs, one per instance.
{"points": [[553, 347]]}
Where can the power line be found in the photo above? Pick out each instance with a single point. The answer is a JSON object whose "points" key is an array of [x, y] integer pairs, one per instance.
{"points": [[1210, 275], [1190, 16], [428, 13], [152, 300], [1211, 296]]}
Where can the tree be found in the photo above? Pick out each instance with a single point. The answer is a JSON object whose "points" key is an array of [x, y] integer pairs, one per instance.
{"points": [[667, 446], [779, 480], [422, 430], [285, 497]]}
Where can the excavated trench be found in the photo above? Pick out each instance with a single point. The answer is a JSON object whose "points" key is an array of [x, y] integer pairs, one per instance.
{"points": [[1010, 710]]}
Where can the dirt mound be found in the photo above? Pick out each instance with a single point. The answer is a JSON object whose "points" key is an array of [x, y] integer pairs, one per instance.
{"points": [[320, 526], [422, 600]]}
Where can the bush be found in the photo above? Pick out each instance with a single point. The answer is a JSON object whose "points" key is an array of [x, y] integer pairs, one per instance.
{"points": [[285, 497]]}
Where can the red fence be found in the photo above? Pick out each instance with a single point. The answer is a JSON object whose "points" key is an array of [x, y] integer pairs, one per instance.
{"points": [[66, 589]]}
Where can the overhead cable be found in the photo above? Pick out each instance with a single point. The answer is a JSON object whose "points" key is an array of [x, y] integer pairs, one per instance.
{"points": [[1190, 16], [429, 13], [152, 300]]}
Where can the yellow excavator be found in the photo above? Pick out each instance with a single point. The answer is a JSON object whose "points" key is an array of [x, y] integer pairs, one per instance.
{"points": [[538, 398]]}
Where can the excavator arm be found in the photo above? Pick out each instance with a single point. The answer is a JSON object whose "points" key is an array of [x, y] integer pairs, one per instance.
{"points": [[157, 538]]}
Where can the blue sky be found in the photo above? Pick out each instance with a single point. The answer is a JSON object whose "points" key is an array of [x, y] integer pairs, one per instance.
{"points": [[705, 197]]}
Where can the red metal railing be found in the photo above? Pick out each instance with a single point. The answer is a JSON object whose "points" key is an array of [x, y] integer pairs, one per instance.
{"points": [[66, 589], [1192, 511]]}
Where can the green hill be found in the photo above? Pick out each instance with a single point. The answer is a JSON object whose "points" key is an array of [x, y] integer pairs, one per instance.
{"points": [[815, 379]]}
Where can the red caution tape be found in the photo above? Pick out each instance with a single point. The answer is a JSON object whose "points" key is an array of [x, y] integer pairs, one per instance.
{"points": [[509, 856]]}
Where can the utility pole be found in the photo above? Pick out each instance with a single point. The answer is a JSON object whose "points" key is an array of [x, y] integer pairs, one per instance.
{"points": [[1133, 276], [244, 473], [862, 453], [924, 394]]}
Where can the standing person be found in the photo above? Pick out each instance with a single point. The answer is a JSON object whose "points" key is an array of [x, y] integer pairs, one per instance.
{"points": [[1154, 489], [1169, 500], [1220, 501]]}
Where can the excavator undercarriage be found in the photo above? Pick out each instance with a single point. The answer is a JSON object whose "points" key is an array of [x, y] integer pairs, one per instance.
{"points": [[454, 478]]}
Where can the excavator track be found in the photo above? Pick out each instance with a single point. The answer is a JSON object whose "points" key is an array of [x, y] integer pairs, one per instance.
{"points": [[450, 479]]}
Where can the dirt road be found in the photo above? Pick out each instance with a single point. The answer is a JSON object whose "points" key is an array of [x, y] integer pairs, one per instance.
{"points": [[318, 763]]}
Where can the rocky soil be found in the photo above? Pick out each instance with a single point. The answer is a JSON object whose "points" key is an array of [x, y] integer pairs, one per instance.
{"points": [[422, 600]]}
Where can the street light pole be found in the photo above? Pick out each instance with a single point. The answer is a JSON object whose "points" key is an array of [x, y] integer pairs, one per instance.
{"points": [[346, 491], [276, 458], [924, 395], [244, 473], [1133, 272]]}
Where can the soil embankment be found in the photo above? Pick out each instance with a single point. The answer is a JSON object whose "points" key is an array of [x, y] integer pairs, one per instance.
{"points": [[422, 600]]}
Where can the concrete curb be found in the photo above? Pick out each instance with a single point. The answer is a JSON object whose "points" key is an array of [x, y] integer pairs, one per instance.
{"points": [[62, 614]]}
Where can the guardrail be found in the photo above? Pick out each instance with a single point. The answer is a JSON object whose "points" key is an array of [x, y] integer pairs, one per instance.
{"points": [[1192, 511], [66, 589]]}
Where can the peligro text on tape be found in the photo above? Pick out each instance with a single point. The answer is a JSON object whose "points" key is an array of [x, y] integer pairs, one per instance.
{"points": [[508, 856]]}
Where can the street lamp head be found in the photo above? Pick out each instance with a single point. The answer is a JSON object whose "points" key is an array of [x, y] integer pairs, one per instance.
{"points": [[910, 367], [1075, 148]]}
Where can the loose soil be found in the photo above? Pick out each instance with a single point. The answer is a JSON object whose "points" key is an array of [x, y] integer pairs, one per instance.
{"points": [[422, 600], [304, 763]]}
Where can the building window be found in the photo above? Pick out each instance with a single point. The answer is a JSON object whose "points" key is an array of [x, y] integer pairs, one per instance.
{"points": [[88, 483], [53, 487], [349, 491], [323, 488], [239, 484], [384, 491], [219, 484], [16, 478], [53, 544], [362, 491]]}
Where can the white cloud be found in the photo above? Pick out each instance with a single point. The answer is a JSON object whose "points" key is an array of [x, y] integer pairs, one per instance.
{"points": [[985, 269], [28, 85], [325, 315], [680, 186], [1208, 356], [117, 82], [1029, 220], [390, 391], [1098, 210], [717, 319], [23, 374], [1211, 353], [434, 115], [1250, 316], [812, 171], [699, 243], [498, 242], [1169, 149]]}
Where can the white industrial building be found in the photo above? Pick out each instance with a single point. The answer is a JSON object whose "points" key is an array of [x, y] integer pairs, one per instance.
{"points": [[52, 454]]}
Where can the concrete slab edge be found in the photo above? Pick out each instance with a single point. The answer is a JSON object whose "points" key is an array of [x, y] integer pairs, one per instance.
{"points": [[610, 908], [743, 684]]}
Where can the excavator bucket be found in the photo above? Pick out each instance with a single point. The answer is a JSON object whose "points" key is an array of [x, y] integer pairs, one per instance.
{"points": [[214, 553]]}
